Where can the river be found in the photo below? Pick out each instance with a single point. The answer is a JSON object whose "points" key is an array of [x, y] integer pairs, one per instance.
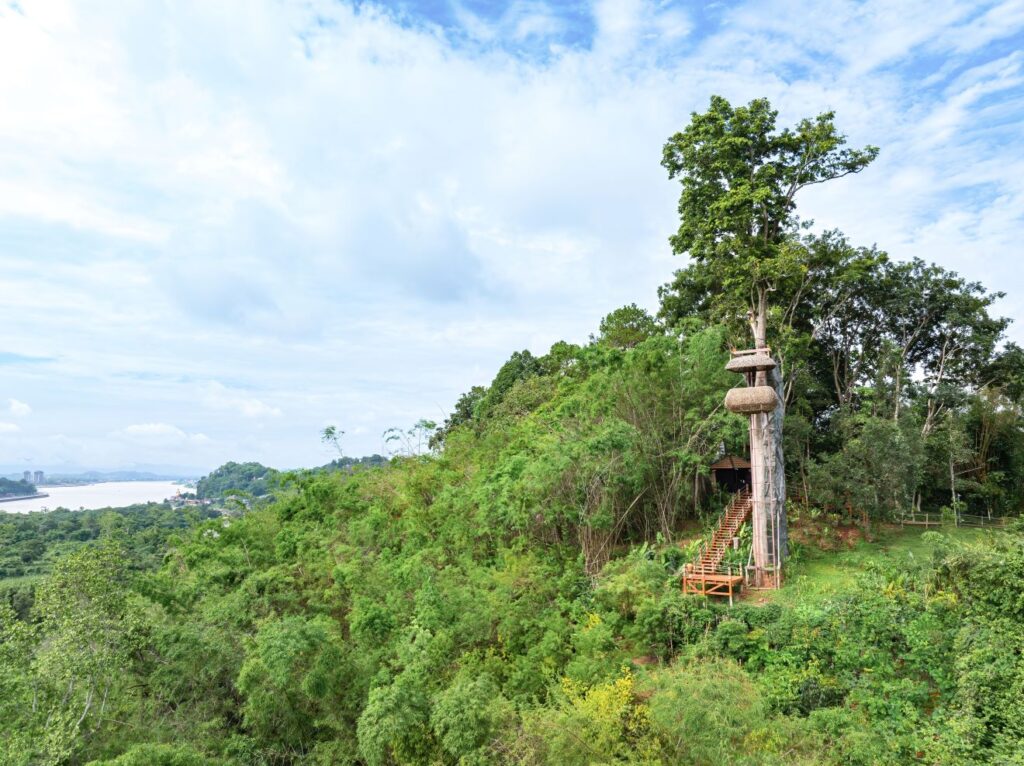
{"points": [[105, 494]]}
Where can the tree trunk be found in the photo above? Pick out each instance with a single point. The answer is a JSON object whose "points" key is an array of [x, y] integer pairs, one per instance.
{"points": [[768, 474], [758, 495], [896, 394], [778, 488], [952, 481]]}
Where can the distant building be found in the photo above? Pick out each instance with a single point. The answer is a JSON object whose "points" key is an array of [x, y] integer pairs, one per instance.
{"points": [[27, 476], [37, 477]]}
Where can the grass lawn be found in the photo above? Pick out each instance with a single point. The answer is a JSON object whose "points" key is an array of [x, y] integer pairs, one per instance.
{"points": [[821, 575]]}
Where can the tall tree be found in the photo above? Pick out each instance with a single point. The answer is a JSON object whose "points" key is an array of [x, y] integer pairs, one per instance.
{"points": [[940, 327], [740, 177], [626, 327]]}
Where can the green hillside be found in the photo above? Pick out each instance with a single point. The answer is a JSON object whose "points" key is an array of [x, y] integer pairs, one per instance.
{"points": [[387, 618]]}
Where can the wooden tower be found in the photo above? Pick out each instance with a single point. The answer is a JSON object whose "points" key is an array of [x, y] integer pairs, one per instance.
{"points": [[759, 401]]}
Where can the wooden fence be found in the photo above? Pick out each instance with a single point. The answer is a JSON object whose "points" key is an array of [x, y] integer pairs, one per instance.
{"points": [[960, 520]]}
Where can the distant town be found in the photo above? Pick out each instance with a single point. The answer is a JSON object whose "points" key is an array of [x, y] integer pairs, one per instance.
{"points": [[33, 477]]}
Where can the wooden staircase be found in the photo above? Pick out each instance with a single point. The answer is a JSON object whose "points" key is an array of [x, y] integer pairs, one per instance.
{"points": [[706, 575]]}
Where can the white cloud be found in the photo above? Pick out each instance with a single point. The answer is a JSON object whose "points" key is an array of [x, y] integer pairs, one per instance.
{"points": [[9, 428], [622, 25], [152, 429], [218, 396], [18, 409], [353, 216], [161, 434]]}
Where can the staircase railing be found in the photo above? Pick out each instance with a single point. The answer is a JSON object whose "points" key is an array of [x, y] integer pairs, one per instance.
{"points": [[720, 567]]}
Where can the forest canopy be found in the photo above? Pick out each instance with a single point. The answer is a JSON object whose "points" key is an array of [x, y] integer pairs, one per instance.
{"points": [[251, 478]]}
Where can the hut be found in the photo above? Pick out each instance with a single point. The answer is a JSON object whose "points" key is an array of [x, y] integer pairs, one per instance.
{"points": [[731, 473]]}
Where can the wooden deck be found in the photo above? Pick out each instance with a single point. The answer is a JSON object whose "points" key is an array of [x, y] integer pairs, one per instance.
{"points": [[702, 584], [706, 575]]}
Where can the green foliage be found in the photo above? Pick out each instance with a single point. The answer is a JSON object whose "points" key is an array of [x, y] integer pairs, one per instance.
{"points": [[394, 726], [159, 755], [520, 366], [384, 617], [249, 478], [707, 713], [346, 463], [468, 717], [587, 724], [740, 176], [877, 470], [627, 327], [68, 669], [11, 488], [461, 414], [865, 342], [30, 542], [292, 684]]}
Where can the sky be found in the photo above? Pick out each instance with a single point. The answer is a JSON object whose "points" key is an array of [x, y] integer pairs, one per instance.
{"points": [[225, 225]]}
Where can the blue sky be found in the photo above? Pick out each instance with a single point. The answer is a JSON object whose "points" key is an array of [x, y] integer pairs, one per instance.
{"points": [[226, 225]]}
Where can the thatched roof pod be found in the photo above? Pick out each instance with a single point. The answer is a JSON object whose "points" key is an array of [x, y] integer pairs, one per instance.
{"points": [[750, 362], [752, 400], [730, 462]]}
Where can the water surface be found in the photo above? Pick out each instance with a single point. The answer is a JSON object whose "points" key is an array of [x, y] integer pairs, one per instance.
{"points": [[105, 494]]}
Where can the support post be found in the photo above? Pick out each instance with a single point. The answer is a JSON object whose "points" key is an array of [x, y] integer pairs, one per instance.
{"points": [[758, 518]]}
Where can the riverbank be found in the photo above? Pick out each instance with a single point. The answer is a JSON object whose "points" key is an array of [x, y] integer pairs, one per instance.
{"points": [[12, 498]]}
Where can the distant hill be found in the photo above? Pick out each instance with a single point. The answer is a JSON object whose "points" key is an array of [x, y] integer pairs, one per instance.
{"points": [[127, 472], [96, 476], [259, 480], [253, 478], [349, 463]]}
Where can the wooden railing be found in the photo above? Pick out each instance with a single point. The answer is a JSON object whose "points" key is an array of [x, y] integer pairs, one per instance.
{"points": [[702, 559], [971, 520], [917, 519]]}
